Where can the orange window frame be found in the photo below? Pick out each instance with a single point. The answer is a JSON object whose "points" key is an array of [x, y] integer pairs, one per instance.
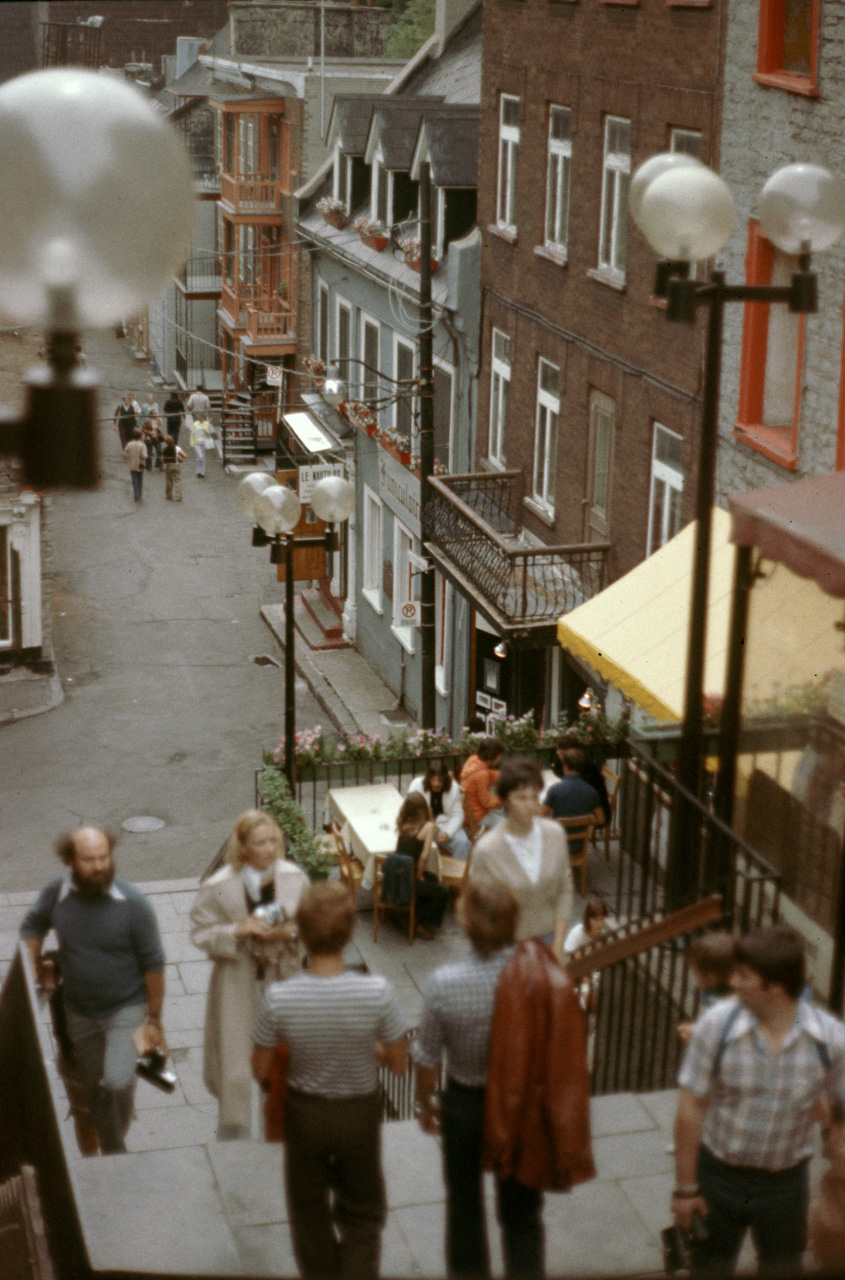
{"points": [[770, 51], [779, 444]]}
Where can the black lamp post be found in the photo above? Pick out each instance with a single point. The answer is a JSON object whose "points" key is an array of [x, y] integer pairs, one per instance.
{"points": [[686, 213], [276, 510]]}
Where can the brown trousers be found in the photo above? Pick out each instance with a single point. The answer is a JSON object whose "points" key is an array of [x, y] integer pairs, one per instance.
{"points": [[173, 480]]}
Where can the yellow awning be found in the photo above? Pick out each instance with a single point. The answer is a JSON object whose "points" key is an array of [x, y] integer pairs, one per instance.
{"points": [[634, 633]]}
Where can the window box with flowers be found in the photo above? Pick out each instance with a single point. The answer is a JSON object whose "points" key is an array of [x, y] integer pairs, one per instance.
{"points": [[412, 253], [362, 417], [397, 443], [372, 232], [334, 212]]}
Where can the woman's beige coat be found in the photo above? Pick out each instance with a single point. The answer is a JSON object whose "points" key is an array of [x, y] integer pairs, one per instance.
{"points": [[232, 994]]}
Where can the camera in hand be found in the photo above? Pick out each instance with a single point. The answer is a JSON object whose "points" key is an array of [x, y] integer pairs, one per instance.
{"points": [[152, 1066], [684, 1251], [271, 913]]}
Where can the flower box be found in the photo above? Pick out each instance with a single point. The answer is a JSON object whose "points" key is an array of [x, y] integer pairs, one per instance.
{"points": [[336, 220], [416, 264], [377, 242]]}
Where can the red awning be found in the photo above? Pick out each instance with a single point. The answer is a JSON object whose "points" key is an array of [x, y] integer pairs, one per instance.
{"points": [[801, 525]]}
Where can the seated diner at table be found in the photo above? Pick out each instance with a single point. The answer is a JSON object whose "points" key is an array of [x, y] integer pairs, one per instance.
{"points": [[444, 799], [415, 827]]}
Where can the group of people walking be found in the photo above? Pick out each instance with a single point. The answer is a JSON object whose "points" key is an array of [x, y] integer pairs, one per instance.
{"points": [[501, 1025], [149, 437]]}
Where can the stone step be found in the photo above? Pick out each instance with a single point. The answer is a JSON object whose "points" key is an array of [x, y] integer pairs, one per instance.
{"points": [[310, 630], [324, 611]]}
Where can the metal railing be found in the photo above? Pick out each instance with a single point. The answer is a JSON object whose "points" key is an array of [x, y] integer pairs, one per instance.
{"points": [[473, 520], [201, 273]]}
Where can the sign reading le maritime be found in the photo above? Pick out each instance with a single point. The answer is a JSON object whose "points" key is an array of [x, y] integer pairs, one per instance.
{"points": [[400, 491]]}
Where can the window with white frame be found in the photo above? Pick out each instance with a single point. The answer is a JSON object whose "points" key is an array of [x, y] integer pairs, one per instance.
{"points": [[247, 144], [404, 583], [404, 359], [614, 197], [322, 335], [368, 382], [247, 256], [499, 387], [687, 141], [341, 177], [372, 567], [667, 488], [508, 162], [602, 413], [442, 629], [558, 177], [545, 438], [343, 338], [443, 401], [380, 200]]}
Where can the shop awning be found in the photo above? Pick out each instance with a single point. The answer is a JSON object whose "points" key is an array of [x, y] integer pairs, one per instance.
{"points": [[634, 633], [308, 432], [800, 525]]}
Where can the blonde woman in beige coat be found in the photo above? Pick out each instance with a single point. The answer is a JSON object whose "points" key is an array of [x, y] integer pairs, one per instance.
{"points": [[230, 924]]}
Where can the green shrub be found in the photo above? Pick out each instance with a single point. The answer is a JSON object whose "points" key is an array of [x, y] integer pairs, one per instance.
{"points": [[303, 845]]}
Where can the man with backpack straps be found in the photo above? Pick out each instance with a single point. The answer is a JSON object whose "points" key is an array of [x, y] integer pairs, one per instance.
{"points": [[755, 1070]]}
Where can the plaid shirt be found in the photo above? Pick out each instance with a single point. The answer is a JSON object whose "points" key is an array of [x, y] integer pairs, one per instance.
{"points": [[762, 1106], [457, 1012]]}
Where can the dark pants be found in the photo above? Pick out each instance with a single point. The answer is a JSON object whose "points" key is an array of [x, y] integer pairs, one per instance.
{"points": [[137, 484], [334, 1185], [518, 1208], [153, 447], [773, 1205]]}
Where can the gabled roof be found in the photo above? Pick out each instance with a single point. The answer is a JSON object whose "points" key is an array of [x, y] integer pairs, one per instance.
{"points": [[448, 140], [456, 71], [349, 121], [394, 126]]}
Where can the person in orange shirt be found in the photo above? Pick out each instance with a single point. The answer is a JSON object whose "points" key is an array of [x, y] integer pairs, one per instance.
{"points": [[477, 779]]}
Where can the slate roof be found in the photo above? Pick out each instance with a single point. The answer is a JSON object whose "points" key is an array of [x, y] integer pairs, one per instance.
{"points": [[452, 134], [456, 74], [350, 120], [395, 125]]}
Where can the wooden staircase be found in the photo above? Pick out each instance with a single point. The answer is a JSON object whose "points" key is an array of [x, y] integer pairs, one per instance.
{"points": [[237, 428]]}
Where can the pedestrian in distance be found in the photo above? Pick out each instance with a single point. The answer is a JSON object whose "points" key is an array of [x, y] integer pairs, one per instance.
{"points": [[174, 411], [126, 418], [243, 919], [199, 403], [529, 855], [153, 434], [172, 457], [755, 1069], [135, 454], [200, 440], [112, 967], [338, 1026]]}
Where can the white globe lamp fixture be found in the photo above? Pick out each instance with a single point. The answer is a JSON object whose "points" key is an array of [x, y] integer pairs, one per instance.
{"points": [[802, 208], [250, 490], [333, 499], [686, 213], [278, 510], [334, 388]]}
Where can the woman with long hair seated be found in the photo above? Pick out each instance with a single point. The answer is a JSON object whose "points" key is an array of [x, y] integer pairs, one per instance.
{"points": [[444, 799], [416, 832]]}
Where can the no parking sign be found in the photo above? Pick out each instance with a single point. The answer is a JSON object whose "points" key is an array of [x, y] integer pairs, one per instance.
{"points": [[410, 613]]}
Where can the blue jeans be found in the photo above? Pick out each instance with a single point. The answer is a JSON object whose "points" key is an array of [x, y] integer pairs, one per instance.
{"points": [[458, 846], [137, 484], [106, 1058], [773, 1205]]}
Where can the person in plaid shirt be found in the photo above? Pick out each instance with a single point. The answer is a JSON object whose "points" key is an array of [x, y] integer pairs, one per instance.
{"points": [[755, 1070]]}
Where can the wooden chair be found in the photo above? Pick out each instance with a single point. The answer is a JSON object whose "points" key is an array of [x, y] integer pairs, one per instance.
{"points": [[611, 781], [379, 906], [351, 868], [579, 831], [454, 872]]}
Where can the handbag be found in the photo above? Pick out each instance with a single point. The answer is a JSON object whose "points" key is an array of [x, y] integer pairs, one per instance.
{"points": [[277, 1094]]}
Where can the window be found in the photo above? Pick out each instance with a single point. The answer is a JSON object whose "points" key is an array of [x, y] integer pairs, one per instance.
{"points": [[371, 584], [442, 638], [403, 370], [323, 322], [443, 387], [229, 252], [248, 257], [772, 359], [787, 45], [369, 383], [229, 144], [247, 149], [343, 338], [5, 586], [545, 439], [667, 488], [499, 387], [614, 197], [557, 177], [602, 412], [508, 155], [688, 141], [404, 581], [380, 201]]}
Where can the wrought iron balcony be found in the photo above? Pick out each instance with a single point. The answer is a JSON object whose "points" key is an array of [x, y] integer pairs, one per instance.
{"points": [[201, 274], [472, 530]]}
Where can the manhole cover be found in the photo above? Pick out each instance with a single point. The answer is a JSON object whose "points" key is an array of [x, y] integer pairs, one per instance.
{"points": [[142, 823]]}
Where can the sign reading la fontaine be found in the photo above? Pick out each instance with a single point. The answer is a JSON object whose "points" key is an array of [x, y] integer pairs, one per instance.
{"points": [[400, 491]]}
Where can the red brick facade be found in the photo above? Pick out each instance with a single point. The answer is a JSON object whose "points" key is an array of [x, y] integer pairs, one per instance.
{"points": [[656, 65]]}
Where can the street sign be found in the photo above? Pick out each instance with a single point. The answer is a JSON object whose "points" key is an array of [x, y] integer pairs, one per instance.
{"points": [[274, 375], [411, 613], [308, 477]]}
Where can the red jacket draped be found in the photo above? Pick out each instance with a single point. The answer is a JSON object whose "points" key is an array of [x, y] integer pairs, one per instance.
{"points": [[537, 1106]]}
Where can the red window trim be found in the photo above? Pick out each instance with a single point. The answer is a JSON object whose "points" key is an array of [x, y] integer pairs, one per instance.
{"points": [[779, 444], [770, 70]]}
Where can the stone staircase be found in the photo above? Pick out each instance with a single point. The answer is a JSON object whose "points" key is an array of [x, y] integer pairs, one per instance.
{"points": [[318, 619]]}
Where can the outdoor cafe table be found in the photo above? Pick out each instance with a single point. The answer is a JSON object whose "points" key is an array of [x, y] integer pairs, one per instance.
{"points": [[367, 817]]}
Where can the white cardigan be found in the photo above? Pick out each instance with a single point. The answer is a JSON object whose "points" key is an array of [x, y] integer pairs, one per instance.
{"points": [[452, 817]]}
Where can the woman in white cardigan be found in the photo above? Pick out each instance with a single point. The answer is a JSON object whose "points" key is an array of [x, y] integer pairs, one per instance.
{"points": [[528, 855], [242, 919], [445, 801]]}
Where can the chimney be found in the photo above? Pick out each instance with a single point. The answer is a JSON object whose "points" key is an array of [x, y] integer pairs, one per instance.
{"points": [[447, 15]]}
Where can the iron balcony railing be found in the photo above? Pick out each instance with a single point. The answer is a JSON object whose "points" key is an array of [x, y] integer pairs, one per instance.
{"points": [[201, 273], [473, 520]]}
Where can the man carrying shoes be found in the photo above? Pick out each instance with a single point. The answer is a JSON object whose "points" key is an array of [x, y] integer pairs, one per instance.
{"points": [[112, 967], [753, 1075]]}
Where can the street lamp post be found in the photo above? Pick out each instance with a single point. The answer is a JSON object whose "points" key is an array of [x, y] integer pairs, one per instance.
{"points": [[686, 213], [276, 511]]}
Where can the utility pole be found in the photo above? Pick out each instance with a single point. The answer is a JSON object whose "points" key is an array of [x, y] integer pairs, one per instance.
{"points": [[427, 628]]}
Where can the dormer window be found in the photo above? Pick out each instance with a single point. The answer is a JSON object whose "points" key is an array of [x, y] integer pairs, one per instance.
{"points": [[381, 197], [342, 184]]}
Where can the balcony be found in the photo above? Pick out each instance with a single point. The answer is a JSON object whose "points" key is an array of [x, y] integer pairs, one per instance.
{"points": [[248, 193], [201, 275], [270, 323], [472, 531]]}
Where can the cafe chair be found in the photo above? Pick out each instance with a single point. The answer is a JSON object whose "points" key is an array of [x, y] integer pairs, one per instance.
{"points": [[579, 832], [351, 868], [454, 872], [394, 890]]}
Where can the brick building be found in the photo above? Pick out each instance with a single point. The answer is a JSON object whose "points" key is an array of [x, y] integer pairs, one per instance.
{"points": [[588, 404]]}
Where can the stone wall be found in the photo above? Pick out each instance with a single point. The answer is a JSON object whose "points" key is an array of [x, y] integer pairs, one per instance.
{"points": [[293, 30]]}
